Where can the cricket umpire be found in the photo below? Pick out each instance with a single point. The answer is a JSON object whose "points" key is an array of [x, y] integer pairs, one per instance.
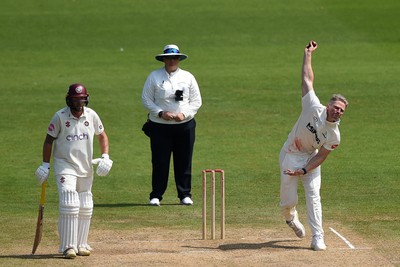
{"points": [[172, 97], [71, 132], [313, 137]]}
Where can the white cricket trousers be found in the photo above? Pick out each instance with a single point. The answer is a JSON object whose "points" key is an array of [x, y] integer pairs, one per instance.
{"points": [[75, 211], [312, 185]]}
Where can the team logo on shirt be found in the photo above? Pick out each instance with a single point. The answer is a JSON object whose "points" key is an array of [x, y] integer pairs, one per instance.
{"points": [[62, 180], [86, 123], [67, 124], [51, 127]]}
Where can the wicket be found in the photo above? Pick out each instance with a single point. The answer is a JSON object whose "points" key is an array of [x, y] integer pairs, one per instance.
{"points": [[213, 203]]}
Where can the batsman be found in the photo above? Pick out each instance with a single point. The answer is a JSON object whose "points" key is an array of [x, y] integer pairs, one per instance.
{"points": [[70, 137]]}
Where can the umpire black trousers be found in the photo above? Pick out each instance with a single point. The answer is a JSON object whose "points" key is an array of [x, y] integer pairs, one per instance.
{"points": [[176, 140]]}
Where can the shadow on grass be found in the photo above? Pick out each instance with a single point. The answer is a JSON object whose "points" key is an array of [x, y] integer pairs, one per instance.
{"points": [[33, 257], [270, 244], [123, 205], [253, 246]]}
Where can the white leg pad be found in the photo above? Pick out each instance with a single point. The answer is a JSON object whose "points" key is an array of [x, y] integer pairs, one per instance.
{"points": [[68, 219], [85, 215]]}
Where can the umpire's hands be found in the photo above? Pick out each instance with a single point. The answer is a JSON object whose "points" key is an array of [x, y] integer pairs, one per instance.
{"points": [[105, 164], [43, 172]]}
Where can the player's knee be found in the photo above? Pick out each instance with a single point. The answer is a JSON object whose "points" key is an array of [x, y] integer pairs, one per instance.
{"points": [[69, 202], [86, 203]]}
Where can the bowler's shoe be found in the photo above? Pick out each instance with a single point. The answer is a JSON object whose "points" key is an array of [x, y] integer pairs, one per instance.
{"points": [[297, 226], [318, 243]]}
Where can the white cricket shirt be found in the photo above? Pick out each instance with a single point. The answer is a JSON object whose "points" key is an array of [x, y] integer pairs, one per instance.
{"points": [[159, 94], [312, 130], [73, 146]]}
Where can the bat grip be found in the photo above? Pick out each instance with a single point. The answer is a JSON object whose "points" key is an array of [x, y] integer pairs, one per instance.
{"points": [[43, 195]]}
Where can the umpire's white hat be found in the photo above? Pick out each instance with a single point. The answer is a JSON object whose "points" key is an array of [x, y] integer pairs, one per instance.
{"points": [[170, 51]]}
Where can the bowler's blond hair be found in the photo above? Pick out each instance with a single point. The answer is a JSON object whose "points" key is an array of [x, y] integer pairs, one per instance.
{"points": [[338, 97]]}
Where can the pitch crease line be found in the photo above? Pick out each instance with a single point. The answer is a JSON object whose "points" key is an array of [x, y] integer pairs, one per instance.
{"points": [[344, 239]]}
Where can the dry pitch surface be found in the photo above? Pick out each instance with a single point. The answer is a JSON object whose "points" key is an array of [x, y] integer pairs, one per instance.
{"points": [[241, 247]]}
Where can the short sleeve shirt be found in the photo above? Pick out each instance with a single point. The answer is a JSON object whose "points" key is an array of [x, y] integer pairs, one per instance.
{"points": [[312, 130], [73, 144]]}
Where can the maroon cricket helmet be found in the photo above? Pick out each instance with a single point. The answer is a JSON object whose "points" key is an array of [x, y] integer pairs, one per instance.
{"points": [[76, 90]]}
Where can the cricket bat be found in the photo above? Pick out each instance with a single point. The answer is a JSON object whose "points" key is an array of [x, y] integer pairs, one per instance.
{"points": [[39, 225]]}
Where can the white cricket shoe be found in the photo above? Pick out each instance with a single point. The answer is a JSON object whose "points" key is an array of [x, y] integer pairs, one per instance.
{"points": [[187, 201], [69, 253], [83, 251], [297, 226], [318, 243], [154, 202]]}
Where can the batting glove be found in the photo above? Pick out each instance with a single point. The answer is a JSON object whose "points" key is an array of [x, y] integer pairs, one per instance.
{"points": [[105, 164], [43, 172]]}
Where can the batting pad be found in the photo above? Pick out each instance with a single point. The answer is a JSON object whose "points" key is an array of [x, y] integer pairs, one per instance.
{"points": [[85, 214], [68, 219]]}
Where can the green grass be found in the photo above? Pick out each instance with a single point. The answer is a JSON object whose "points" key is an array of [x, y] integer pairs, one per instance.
{"points": [[246, 57]]}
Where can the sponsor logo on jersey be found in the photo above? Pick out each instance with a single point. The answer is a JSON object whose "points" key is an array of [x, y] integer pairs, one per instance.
{"points": [[77, 137], [312, 130]]}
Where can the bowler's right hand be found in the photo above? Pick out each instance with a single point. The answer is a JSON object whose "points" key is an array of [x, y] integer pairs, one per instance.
{"points": [[43, 172], [312, 45]]}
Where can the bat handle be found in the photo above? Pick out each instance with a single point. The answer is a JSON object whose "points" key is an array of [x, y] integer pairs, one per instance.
{"points": [[43, 195]]}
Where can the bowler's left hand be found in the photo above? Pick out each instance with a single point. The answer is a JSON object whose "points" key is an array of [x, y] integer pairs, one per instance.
{"points": [[297, 172]]}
